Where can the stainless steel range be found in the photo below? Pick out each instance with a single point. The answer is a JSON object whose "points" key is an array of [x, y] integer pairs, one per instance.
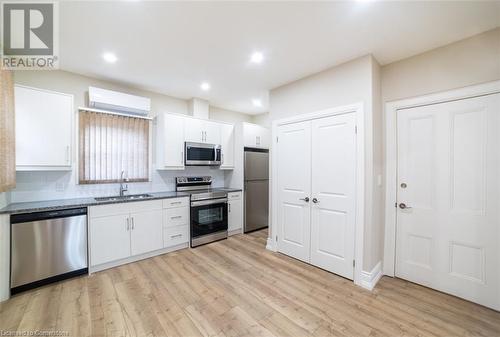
{"points": [[208, 209]]}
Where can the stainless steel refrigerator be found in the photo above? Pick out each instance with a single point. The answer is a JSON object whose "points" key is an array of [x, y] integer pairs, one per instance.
{"points": [[256, 189]]}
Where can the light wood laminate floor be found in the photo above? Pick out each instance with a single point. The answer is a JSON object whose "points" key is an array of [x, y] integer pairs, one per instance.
{"points": [[237, 288]]}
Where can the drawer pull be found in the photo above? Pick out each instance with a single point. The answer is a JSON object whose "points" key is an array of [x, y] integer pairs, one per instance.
{"points": [[176, 202], [176, 217], [175, 236]]}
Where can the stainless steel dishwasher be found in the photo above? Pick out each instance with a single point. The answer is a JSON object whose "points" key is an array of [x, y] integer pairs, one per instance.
{"points": [[47, 247]]}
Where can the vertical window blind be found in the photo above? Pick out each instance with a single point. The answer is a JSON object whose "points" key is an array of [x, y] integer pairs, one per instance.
{"points": [[110, 144], [7, 132]]}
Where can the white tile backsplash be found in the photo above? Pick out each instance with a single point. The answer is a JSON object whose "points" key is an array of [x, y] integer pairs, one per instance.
{"points": [[36, 186]]}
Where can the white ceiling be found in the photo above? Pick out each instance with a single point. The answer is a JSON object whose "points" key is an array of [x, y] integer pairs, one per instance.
{"points": [[171, 47]]}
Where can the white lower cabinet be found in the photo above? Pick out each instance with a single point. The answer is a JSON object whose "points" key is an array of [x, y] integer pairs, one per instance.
{"points": [[109, 239], [125, 232], [146, 231], [175, 225], [234, 212], [173, 236]]}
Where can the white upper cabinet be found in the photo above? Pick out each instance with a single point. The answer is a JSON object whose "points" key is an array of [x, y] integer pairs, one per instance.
{"points": [[172, 131], [202, 131], [170, 142], [194, 130], [44, 124], [212, 132], [227, 146], [256, 136]]}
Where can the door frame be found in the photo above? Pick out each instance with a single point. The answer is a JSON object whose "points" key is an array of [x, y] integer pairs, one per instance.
{"points": [[358, 110], [391, 157]]}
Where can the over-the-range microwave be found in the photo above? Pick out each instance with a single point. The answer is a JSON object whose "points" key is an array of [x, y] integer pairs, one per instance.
{"points": [[201, 154]]}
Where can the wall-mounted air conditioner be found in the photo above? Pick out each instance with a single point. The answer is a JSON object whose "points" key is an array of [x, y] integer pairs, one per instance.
{"points": [[118, 101]]}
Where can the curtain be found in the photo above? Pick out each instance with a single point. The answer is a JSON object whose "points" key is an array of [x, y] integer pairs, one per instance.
{"points": [[7, 132], [110, 144]]}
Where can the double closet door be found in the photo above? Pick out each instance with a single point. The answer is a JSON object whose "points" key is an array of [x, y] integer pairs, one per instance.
{"points": [[316, 176]]}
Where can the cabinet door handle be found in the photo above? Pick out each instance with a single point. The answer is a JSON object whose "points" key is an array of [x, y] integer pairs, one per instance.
{"points": [[133, 223], [229, 207], [128, 224], [175, 236], [176, 217]]}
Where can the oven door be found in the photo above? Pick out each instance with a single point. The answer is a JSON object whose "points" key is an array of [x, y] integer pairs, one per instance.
{"points": [[200, 154], [208, 217]]}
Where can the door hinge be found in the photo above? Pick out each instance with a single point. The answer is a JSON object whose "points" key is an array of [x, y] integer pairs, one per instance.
{"points": [[353, 263], [396, 204]]}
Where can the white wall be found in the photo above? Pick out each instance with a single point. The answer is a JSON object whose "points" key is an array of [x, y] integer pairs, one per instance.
{"points": [[228, 116], [59, 185], [262, 119], [467, 62], [352, 82]]}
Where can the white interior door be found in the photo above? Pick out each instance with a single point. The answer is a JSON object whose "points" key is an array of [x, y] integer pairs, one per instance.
{"points": [[448, 236], [294, 186], [333, 193]]}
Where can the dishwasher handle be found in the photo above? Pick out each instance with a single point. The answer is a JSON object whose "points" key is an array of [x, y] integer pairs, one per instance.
{"points": [[47, 215]]}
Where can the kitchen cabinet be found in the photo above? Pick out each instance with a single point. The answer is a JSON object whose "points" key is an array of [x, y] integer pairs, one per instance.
{"points": [[109, 238], [146, 231], [125, 232], [194, 130], [172, 131], [44, 124], [176, 224], [235, 212], [227, 146], [256, 136], [202, 131], [170, 142]]}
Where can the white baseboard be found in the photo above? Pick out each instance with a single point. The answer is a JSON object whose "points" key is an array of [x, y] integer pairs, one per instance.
{"points": [[370, 279], [271, 245]]}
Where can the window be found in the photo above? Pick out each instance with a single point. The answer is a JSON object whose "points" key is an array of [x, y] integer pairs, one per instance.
{"points": [[110, 144]]}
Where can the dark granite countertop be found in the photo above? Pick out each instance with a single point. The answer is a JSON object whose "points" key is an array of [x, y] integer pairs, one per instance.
{"points": [[48, 205]]}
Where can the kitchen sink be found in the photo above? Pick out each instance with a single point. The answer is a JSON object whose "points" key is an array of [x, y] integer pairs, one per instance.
{"points": [[124, 198]]}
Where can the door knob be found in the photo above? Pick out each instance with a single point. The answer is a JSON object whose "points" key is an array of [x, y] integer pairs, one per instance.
{"points": [[315, 200], [306, 199], [403, 206]]}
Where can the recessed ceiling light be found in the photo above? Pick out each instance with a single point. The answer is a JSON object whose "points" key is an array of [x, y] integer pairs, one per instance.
{"points": [[205, 86], [109, 57], [257, 102], [257, 57]]}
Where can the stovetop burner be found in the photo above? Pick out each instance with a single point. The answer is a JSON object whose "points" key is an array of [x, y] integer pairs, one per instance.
{"points": [[200, 188]]}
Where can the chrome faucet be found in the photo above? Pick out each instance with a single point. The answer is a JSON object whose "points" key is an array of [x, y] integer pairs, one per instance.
{"points": [[123, 188]]}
